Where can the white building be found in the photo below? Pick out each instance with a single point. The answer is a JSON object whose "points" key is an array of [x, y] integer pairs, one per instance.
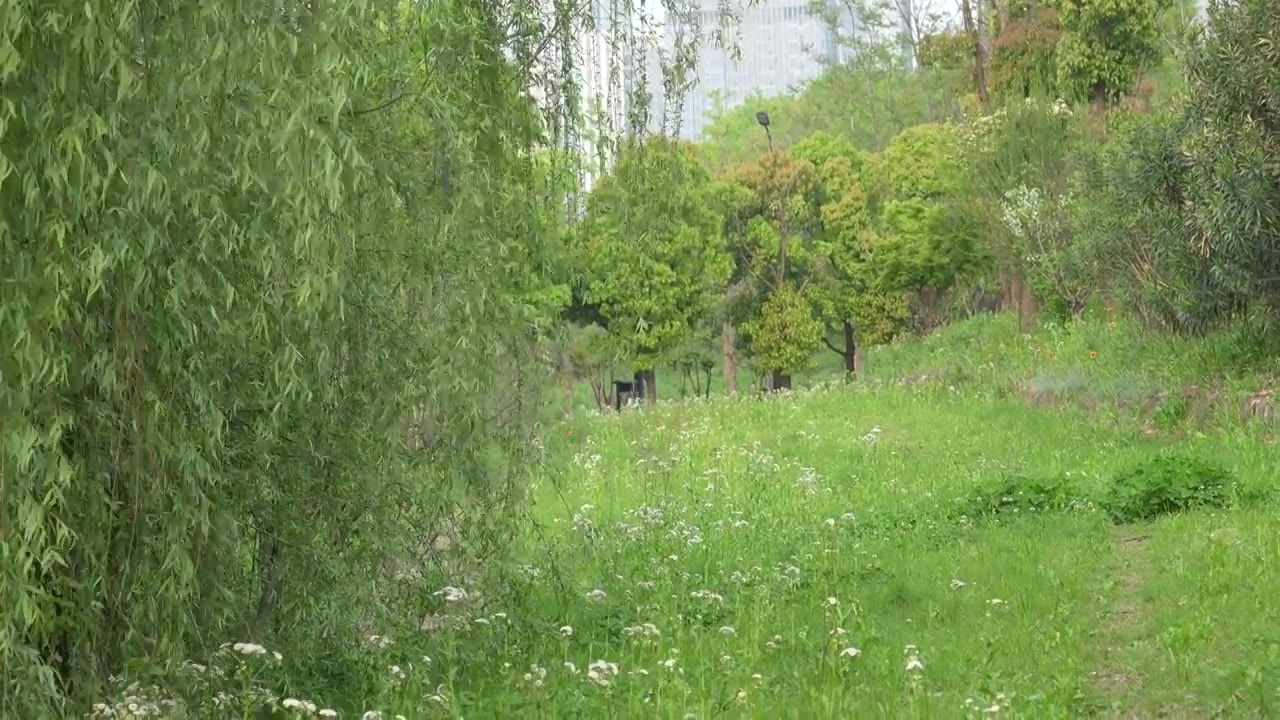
{"points": [[780, 46], [602, 73]]}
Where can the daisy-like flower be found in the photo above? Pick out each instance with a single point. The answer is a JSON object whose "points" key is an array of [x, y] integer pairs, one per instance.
{"points": [[452, 594], [602, 672], [250, 649], [851, 652], [296, 704], [596, 595]]}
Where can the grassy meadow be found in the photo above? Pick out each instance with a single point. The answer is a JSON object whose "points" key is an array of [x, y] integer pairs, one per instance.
{"points": [[836, 552], [935, 540]]}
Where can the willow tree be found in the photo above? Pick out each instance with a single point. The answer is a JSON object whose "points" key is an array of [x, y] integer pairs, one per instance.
{"points": [[270, 273]]}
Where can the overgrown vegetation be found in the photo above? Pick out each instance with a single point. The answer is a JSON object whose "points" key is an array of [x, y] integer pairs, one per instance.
{"points": [[1168, 484], [284, 284]]}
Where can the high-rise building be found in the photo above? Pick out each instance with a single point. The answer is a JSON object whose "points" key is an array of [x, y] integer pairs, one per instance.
{"points": [[780, 45]]}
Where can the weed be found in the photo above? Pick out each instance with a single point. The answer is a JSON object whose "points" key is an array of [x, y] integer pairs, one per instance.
{"points": [[1166, 484], [1024, 494]]}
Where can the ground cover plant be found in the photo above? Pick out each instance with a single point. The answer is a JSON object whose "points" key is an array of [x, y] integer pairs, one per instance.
{"points": [[848, 550]]}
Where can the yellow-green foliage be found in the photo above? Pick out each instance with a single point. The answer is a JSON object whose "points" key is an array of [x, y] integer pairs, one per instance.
{"points": [[785, 334]]}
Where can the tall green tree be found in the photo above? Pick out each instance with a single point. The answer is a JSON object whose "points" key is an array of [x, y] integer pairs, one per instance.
{"points": [[776, 219], [651, 250], [924, 238], [1105, 45]]}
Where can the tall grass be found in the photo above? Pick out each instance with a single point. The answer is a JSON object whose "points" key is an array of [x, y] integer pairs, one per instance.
{"points": [[816, 554]]}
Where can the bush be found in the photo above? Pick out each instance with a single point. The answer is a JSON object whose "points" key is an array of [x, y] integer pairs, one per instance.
{"points": [[1168, 484], [1023, 494]]}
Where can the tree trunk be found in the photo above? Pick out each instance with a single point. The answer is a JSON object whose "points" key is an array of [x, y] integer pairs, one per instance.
{"points": [[851, 349], [730, 351], [566, 378], [779, 380], [977, 35], [1002, 13], [649, 379], [1100, 97], [1007, 296], [1026, 305]]}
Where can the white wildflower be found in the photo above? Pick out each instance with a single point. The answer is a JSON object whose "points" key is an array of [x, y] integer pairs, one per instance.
{"points": [[452, 594], [601, 672], [296, 704], [851, 652], [566, 631], [249, 649], [957, 583], [728, 630], [596, 595]]}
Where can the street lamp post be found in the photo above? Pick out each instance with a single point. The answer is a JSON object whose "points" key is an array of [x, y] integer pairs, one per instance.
{"points": [[780, 379], [762, 117]]}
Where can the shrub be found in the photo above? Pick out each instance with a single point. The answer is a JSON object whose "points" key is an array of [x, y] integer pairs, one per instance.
{"points": [[1024, 494], [1166, 484]]}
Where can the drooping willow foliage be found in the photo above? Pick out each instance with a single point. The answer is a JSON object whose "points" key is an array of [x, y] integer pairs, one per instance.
{"points": [[272, 281]]}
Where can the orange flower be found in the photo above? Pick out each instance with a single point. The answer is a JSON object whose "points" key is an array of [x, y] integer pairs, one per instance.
{"points": [[1093, 355]]}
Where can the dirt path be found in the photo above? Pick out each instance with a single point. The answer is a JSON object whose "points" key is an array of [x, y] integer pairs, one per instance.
{"points": [[1116, 681]]}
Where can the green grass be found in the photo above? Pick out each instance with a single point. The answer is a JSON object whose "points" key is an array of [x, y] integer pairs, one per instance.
{"points": [[816, 554]]}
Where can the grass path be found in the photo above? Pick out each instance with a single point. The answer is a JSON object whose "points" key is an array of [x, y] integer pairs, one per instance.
{"points": [[803, 557], [1117, 680]]}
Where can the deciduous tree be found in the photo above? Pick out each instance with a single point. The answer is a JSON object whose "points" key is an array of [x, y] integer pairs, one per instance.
{"points": [[651, 250]]}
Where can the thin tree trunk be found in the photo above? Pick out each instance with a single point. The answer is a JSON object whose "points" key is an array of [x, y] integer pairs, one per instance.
{"points": [[566, 378], [779, 380], [977, 34], [1026, 305], [1002, 13], [851, 349], [730, 352], [648, 378]]}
